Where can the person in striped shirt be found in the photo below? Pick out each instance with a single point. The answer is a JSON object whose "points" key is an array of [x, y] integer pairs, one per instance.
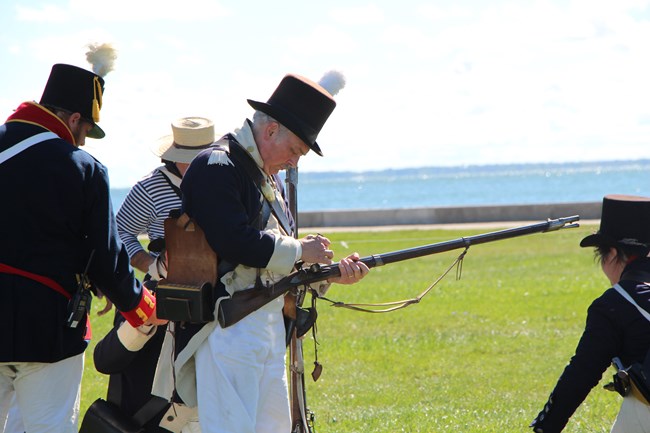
{"points": [[130, 354], [148, 203]]}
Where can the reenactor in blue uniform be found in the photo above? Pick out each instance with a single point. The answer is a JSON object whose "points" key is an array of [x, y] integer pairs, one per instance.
{"points": [[237, 375], [615, 327], [57, 228]]}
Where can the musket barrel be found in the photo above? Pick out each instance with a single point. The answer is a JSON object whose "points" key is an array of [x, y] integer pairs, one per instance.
{"points": [[425, 250], [232, 310]]}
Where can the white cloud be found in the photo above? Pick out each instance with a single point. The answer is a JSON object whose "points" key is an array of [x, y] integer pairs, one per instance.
{"points": [[444, 15], [322, 41], [123, 11], [69, 47], [428, 84], [46, 13], [148, 11], [360, 15]]}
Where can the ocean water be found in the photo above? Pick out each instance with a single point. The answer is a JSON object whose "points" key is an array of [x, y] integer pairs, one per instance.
{"points": [[466, 185]]}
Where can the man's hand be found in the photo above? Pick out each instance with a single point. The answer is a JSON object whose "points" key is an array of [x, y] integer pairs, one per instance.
{"points": [[315, 249], [154, 320], [142, 260], [107, 307], [352, 270]]}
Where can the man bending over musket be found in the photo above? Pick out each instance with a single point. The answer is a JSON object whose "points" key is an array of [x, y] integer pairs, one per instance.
{"points": [[237, 374]]}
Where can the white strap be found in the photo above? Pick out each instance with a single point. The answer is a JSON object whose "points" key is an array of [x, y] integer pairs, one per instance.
{"points": [[171, 176], [627, 296], [26, 144]]}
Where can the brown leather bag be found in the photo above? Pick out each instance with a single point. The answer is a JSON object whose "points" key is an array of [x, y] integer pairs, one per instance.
{"points": [[188, 292]]}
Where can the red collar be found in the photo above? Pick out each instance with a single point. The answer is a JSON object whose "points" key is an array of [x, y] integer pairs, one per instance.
{"points": [[31, 112]]}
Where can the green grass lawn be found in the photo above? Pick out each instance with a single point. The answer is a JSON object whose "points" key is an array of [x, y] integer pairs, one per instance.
{"points": [[479, 354]]}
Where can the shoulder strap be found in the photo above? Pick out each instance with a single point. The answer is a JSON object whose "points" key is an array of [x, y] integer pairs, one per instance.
{"points": [[114, 393], [26, 144], [165, 176], [244, 158], [227, 147], [150, 409], [627, 296]]}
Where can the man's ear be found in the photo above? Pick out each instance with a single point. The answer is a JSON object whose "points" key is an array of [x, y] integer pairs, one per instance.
{"points": [[272, 128], [74, 119], [613, 254]]}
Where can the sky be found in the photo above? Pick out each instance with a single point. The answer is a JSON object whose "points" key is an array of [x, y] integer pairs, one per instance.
{"points": [[428, 83]]}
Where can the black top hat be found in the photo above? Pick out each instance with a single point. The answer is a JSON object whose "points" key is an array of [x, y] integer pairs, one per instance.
{"points": [[76, 90], [301, 105], [625, 221]]}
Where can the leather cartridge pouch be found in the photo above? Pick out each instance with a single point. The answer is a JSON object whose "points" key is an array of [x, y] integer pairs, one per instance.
{"points": [[632, 380], [188, 292], [639, 383], [105, 417]]}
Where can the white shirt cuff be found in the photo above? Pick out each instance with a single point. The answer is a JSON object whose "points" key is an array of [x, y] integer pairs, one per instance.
{"points": [[134, 339]]}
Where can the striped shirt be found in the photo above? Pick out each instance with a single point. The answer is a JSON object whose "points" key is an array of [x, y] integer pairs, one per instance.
{"points": [[145, 208]]}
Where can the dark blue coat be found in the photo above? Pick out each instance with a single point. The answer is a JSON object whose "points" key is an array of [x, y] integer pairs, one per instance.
{"points": [[132, 373], [227, 204], [56, 209], [202, 185], [614, 328]]}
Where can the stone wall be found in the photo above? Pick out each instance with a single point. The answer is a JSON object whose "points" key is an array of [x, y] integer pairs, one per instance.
{"points": [[448, 215]]}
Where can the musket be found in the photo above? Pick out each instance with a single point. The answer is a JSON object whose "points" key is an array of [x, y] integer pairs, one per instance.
{"points": [[298, 399], [246, 301]]}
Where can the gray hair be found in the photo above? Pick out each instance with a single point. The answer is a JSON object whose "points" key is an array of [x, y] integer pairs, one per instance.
{"points": [[261, 119]]}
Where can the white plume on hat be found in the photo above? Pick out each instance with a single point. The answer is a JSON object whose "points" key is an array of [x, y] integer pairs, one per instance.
{"points": [[101, 57], [332, 81]]}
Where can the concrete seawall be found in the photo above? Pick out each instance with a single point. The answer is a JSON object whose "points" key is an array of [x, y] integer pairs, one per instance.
{"points": [[448, 215]]}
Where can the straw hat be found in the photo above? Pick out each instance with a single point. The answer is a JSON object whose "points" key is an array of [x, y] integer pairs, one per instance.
{"points": [[190, 135], [625, 221]]}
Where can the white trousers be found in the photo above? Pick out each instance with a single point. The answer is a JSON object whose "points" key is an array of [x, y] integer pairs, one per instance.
{"points": [[634, 417], [47, 395], [10, 419], [241, 376]]}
